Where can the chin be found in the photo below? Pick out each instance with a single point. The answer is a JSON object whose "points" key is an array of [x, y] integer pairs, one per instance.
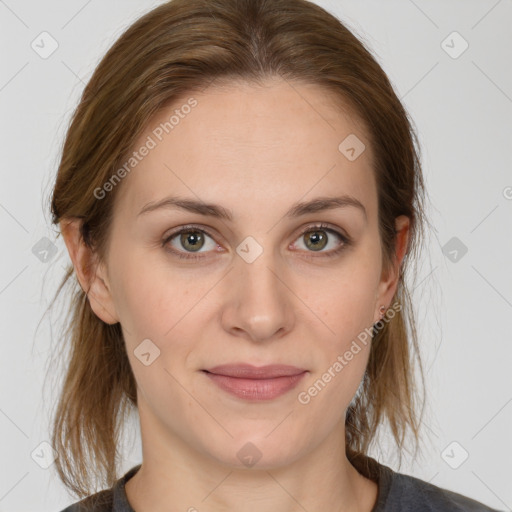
{"points": [[256, 452]]}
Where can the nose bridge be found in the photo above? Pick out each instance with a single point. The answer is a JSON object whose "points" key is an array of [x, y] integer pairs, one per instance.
{"points": [[258, 267], [262, 302]]}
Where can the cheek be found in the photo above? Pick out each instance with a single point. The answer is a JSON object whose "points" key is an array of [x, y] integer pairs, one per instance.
{"points": [[344, 299], [138, 297], [141, 291], [156, 303]]}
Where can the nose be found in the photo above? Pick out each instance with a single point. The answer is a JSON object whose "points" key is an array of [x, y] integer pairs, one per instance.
{"points": [[258, 302]]}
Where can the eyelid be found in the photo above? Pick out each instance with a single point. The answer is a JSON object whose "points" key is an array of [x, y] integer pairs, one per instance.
{"points": [[190, 227], [324, 226]]}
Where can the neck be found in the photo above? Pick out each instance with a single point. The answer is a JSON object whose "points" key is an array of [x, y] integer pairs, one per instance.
{"points": [[176, 477]]}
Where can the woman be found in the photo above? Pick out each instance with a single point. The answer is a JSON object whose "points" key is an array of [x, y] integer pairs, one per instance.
{"points": [[240, 193]]}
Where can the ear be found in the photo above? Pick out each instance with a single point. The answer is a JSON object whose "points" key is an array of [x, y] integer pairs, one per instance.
{"points": [[389, 280], [91, 275]]}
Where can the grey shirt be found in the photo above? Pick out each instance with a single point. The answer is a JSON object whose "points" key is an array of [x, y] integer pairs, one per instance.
{"points": [[397, 493]]}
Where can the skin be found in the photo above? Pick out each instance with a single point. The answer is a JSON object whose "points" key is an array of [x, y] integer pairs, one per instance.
{"points": [[256, 151]]}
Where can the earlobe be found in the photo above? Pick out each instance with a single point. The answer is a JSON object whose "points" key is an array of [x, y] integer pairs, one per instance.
{"points": [[90, 273]]}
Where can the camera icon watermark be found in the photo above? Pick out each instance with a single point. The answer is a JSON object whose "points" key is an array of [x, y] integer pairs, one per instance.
{"points": [[352, 147], [44, 45], [249, 249], [249, 454], [454, 455], [454, 45], [44, 250], [454, 249], [147, 352], [43, 455]]}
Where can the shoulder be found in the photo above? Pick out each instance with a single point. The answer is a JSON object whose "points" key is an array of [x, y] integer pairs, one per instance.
{"points": [[399, 492], [102, 501], [410, 493], [108, 500]]}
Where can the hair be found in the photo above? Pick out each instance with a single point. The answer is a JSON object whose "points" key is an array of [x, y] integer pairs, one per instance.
{"points": [[177, 48]]}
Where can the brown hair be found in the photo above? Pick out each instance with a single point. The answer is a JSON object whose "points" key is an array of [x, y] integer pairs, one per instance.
{"points": [[179, 47]]}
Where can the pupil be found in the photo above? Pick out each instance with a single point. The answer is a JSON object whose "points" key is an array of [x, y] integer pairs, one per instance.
{"points": [[192, 239], [317, 238]]}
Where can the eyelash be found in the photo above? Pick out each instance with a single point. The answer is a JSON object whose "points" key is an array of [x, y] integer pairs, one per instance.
{"points": [[316, 227]]}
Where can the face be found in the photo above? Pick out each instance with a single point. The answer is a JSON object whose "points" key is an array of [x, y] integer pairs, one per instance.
{"points": [[265, 284]]}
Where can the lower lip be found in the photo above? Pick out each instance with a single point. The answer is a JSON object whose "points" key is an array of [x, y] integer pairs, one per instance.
{"points": [[256, 389]]}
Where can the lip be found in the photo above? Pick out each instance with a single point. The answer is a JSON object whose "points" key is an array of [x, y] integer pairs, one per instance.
{"points": [[256, 383], [248, 371]]}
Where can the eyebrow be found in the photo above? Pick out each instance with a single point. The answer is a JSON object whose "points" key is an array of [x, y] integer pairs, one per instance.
{"points": [[215, 210]]}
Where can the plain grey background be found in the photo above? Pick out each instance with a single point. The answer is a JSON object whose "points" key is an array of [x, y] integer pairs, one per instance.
{"points": [[449, 63]]}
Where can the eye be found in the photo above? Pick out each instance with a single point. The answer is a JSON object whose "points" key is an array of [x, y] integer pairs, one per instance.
{"points": [[318, 237], [189, 239], [188, 242]]}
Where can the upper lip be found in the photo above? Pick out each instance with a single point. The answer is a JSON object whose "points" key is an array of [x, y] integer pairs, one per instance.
{"points": [[249, 371]]}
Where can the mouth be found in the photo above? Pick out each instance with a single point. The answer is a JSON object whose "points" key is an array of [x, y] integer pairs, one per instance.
{"points": [[255, 383], [248, 371]]}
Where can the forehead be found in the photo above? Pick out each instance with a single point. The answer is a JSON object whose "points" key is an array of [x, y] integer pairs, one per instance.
{"points": [[264, 143]]}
